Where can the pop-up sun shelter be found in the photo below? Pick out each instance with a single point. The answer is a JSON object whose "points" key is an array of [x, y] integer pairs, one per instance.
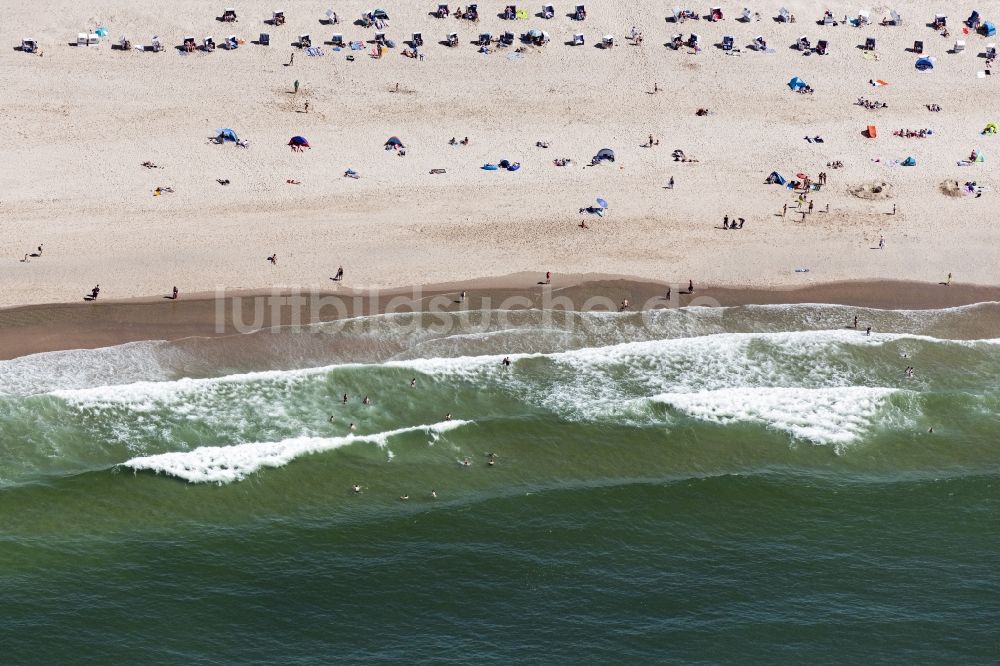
{"points": [[925, 64], [909, 161], [225, 134], [298, 141], [871, 132], [797, 84], [988, 29], [393, 142], [604, 154], [991, 128], [775, 179]]}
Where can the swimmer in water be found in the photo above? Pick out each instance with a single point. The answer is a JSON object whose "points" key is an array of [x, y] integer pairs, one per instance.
{"points": [[356, 488], [345, 398], [466, 463], [506, 361], [434, 494], [351, 427], [447, 416], [366, 401], [413, 383], [404, 497]]}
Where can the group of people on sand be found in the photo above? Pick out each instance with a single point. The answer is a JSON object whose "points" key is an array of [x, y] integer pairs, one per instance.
{"points": [[912, 134], [871, 104], [737, 222]]}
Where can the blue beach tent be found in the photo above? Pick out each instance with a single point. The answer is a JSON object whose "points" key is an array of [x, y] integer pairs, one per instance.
{"points": [[796, 84], [988, 29], [910, 161], [924, 64], [225, 135]]}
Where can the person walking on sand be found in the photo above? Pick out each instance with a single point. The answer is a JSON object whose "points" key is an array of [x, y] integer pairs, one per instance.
{"points": [[175, 294], [855, 326], [291, 60], [784, 210], [690, 286], [868, 331], [548, 277], [307, 106], [670, 183], [810, 206], [948, 281], [881, 242], [462, 297], [296, 86], [668, 293]]}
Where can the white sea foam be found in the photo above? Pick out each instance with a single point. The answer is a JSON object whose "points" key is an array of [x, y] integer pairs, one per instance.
{"points": [[226, 464], [837, 416], [80, 368]]}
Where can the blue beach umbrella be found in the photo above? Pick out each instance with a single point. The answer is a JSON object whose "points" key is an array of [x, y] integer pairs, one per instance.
{"points": [[602, 203]]}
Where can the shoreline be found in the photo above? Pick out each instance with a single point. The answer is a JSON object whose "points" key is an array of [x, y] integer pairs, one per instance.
{"points": [[41, 328]]}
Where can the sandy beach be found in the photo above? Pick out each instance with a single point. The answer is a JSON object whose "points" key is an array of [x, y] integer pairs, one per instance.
{"points": [[86, 118]]}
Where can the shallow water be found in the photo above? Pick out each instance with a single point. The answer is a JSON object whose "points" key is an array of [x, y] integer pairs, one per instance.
{"points": [[730, 484]]}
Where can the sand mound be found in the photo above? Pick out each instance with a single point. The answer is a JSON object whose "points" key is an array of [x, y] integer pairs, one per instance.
{"points": [[951, 188], [872, 191]]}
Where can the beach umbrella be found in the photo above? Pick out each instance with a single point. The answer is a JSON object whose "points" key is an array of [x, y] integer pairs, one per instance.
{"points": [[602, 203], [394, 141], [534, 32], [298, 141], [101, 32]]}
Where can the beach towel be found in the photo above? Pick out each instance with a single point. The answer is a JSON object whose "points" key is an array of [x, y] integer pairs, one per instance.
{"points": [[314, 51], [879, 82], [357, 46]]}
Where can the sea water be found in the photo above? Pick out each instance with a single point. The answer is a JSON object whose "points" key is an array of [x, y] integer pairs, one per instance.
{"points": [[724, 485]]}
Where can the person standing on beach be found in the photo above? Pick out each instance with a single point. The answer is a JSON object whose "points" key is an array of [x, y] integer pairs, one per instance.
{"points": [[548, 277], [690, 286], [948, 282], [670, 185], [855, 322], [296, 86], [868, 331], [810, 206], [881, 242], [784, 210], [291, 60], [175, 294]]}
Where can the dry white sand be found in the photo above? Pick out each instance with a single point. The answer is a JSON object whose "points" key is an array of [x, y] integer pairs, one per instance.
{"points": [[77, 123]]}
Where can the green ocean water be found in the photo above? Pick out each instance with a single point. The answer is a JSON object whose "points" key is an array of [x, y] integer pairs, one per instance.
{"points": [[727, 485]]}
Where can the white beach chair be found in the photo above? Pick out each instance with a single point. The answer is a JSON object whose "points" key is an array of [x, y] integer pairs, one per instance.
{"points": [[305, 41], [337, 40], [578, 39], [229, 15], [991, 51], [864, 18], [784, 15], [548, 11], [232, 43], [607, 41], [278, 17], [155, 44], [264, 39], [29, 46], [675, 14], [746, 16], [895, 18], [959, 46], [452, 39]]}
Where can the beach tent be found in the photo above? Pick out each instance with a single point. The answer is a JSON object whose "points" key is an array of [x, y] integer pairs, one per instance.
{"points": [[988, 29], [909, 161], [979, 155], [925, 64], [990, 129], [775, 179], [299, 141], [604, 154], [393, 142], [797, 84], [871, 132], [226, 134]]}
